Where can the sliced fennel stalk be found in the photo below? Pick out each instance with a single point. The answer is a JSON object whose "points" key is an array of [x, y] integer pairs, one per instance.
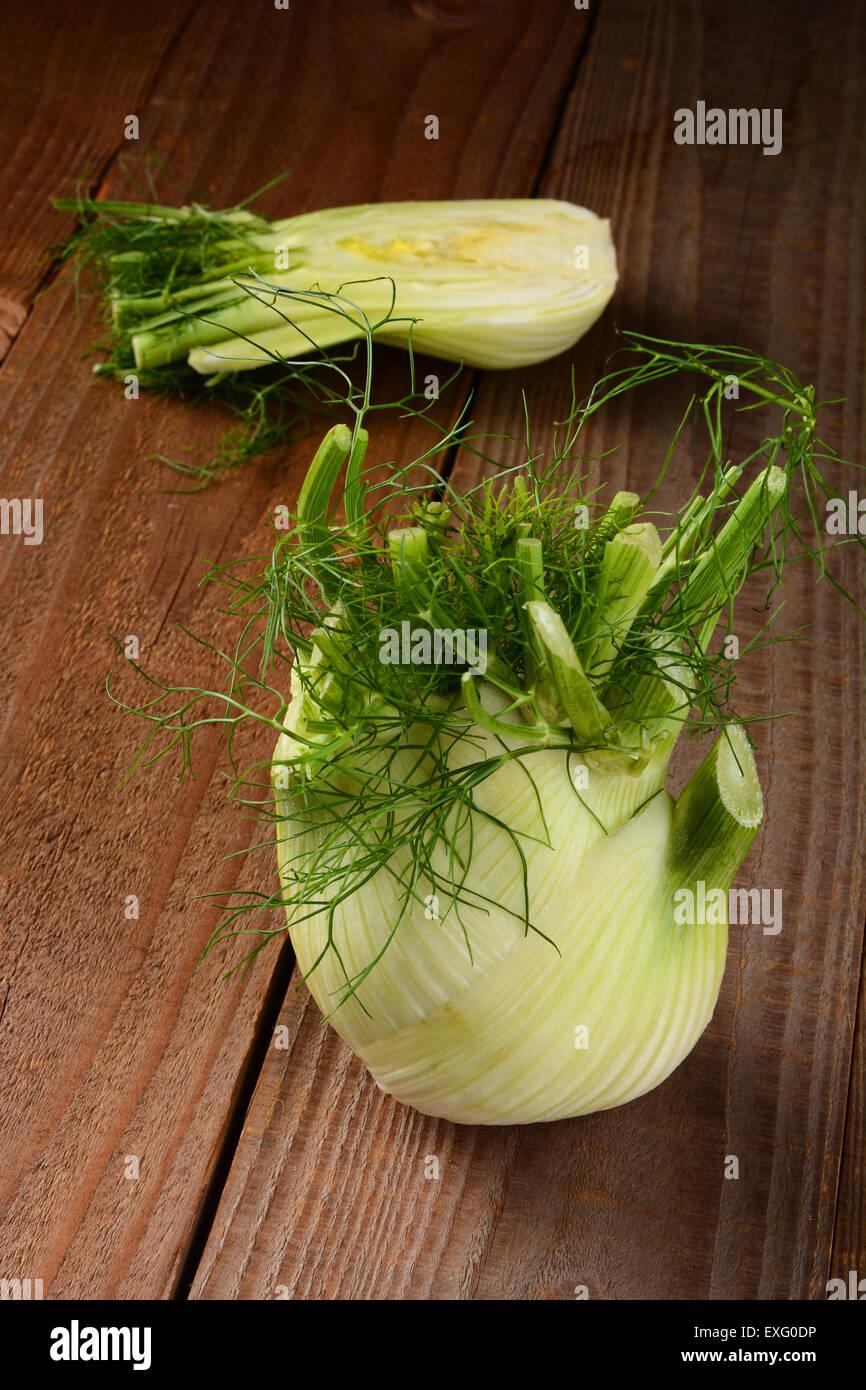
{"points": [[478, 868]]}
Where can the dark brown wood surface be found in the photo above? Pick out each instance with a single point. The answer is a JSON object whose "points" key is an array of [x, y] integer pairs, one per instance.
{"points": [[272, 1172]]}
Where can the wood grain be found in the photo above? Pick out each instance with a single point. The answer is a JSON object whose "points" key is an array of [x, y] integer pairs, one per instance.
{"points": [[849, 1236], [116, 1043], [71, 74], [328, 1197]]}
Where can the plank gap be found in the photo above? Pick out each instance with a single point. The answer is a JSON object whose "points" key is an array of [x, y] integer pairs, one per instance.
{"points": [[477, 376], [565, 98], [248, 1076], [844, 1244]]}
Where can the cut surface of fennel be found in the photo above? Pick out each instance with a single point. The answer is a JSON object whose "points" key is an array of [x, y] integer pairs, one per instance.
{"points": [[492, 282], [526, 1028]]}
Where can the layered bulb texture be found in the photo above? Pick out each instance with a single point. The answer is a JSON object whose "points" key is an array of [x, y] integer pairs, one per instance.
{"points": [[481, 1022]]}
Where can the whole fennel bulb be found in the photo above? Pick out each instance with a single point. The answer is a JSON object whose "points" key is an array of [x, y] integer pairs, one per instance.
{"points": [[520, 1031], [478, 860], [481, 880]]}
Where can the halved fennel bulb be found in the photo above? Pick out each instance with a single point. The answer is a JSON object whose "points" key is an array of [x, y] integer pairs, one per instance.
{"points": [[492, 282]]}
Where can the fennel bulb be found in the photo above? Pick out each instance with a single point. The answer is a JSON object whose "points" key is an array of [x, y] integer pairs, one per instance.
{"points": [[197, 297], [466, 1013], [490, 282], [518, 1030], [478, 862]]}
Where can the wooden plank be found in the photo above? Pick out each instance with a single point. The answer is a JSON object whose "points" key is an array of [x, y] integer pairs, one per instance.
{"points": [[114, 1041], [849, 1236], [328, 1196], [47, 142]]}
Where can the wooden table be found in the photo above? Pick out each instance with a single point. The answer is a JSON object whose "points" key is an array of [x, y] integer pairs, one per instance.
{"points": [[270, 1172]]}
